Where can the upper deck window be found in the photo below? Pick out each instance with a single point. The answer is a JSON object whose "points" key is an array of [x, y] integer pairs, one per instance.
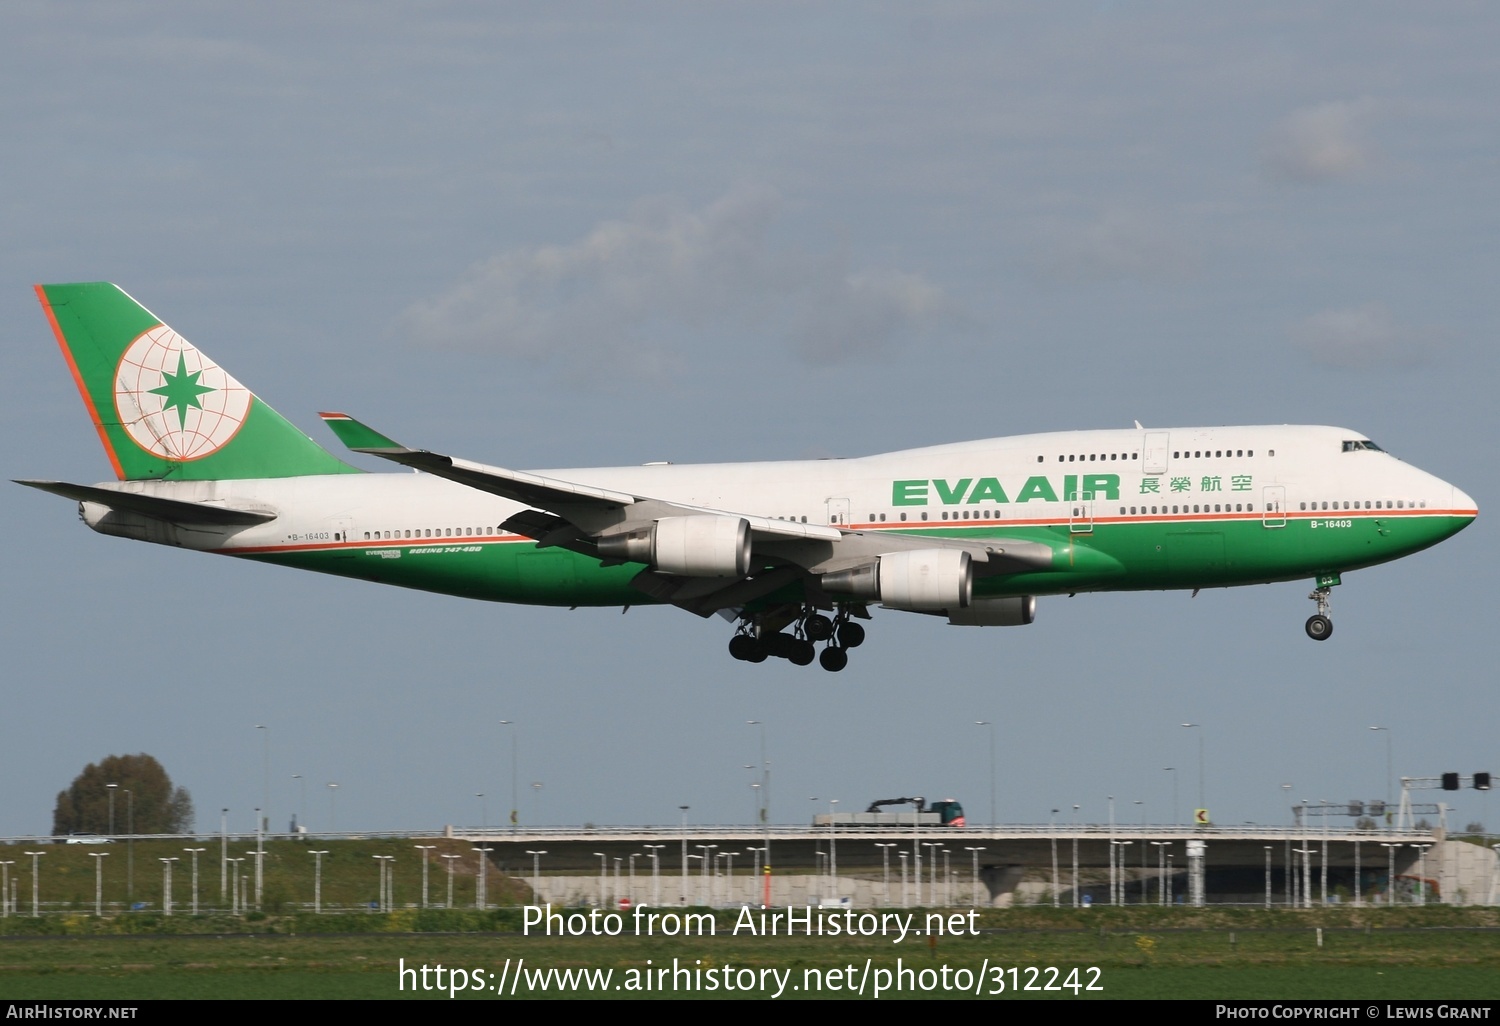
{"points": [[1360, 445]]}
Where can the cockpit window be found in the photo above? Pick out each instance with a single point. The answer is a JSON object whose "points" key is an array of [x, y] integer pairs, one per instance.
{"points": [[1362, 445]]}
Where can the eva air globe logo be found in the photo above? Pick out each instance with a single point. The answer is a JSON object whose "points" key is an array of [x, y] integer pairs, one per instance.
{"points": [[175, 402]]}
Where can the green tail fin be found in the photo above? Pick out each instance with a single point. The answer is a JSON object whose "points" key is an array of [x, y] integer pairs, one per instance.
{"points": [[162, 408]]}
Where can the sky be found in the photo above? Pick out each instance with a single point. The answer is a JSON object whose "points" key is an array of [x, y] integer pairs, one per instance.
{"points": [[587, 234]]}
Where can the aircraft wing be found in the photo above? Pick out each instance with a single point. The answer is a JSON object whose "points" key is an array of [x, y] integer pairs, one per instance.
{"points": [[593, 509], [173, 511], [585, 518]]}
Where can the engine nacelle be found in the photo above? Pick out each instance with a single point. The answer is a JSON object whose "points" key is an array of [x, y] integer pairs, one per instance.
{"points": [[1014, 611], [692, 546], [923, 580]]}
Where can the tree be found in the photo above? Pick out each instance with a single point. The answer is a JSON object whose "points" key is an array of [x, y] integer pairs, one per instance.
{"points": [[145, 800]]}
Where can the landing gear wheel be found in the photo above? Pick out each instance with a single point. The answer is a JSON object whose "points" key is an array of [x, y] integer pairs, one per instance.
{"points": [[801, 653], [1319, 627], [851, 634], [743, 647], [833, 659], [818, 628]]}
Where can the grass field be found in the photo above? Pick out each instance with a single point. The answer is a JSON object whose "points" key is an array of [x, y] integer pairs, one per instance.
{"points": [[1138, 953]]}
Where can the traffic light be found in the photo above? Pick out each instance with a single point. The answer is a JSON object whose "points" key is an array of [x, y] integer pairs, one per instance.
{"points": [[1481, 781], [1450, 781]]}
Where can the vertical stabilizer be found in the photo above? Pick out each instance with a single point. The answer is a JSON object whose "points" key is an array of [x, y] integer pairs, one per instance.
{"points": [[162, 408]]}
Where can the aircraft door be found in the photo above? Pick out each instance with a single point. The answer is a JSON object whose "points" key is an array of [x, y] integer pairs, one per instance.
{"points": [[1273, 512], [838, 512], [1081, 513], [1154, 455]]}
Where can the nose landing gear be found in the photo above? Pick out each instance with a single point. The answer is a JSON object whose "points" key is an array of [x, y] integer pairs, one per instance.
{"points": [[1320, 625]]}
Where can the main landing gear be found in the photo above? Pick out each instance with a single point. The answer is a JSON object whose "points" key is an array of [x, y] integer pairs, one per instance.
{"points": [[1320, 625], [760, 636]]}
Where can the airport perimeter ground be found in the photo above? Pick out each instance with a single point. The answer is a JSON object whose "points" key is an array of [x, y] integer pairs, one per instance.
{"points": [[1142, 952]]}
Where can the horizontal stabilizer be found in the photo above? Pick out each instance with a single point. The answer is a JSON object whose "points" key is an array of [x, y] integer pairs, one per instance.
{"points": [[171, 510]]}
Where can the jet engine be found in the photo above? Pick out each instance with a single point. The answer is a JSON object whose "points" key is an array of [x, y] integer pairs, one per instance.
{"points": [[1012, 611], [922, 580], [692, 546]]}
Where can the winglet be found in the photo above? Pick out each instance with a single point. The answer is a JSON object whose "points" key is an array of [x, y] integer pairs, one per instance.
{"points": [[360, 437]]}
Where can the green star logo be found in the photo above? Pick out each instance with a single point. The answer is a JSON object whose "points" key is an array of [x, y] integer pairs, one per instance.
{"points": [[181, 390]]}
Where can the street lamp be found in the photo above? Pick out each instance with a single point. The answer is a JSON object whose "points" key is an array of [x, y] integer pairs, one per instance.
{"points": [[536, 874], [318, 880], [36, 905], [603, 869], [482, 897], [987, 723], [684, 879], [765, 811], [885, 866], [450, 859], [166, 882], [333, 812], [1387, 770], [112, 788], [515, 812], [424, 849], [1199, 728], [655, 850], [195, 853], [98, 881], [976, 851], [5, 901]]}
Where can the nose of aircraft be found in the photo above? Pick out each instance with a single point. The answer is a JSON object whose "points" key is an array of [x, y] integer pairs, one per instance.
{"points": [[1463, 504]]}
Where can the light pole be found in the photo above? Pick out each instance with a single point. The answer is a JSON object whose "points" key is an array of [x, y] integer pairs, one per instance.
{"points": [[333, 812], [1390, 872], [223, 854], [111, 788], [260, 852], [318, 880], [1199, 728], [98, 881], [833, 849], [166, 882], [1387, 730], [1075, 857], [1052, 834], [987, 723], [450, 859], [885, 868], [5, 902], [424, 849], [765, 812], [932, 895], [482, 897], [195, 853], [708, 892], [603, 869], [265, 794], [484, 813], [515, 812], [129, 847], [975, 853], [905, 891], [380, 865], [1268, 876], [536, 874], [234, 886], [655, 850], [684, 879], [1161, 865], [301, 802]]}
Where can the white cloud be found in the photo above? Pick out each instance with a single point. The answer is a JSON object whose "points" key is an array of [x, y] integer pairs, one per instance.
{"points": [[1320, 143], [618, 294], [1119, 244], [1366, 336]]}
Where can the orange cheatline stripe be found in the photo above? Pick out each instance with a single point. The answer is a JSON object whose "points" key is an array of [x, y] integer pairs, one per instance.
{"points": [[88, 400]]}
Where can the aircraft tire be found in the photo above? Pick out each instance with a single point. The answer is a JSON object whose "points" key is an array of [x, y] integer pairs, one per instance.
{"points": [[851, 635], [1319, 627], [742, 647], [833, 659], [819, 628], [802, 653]]}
